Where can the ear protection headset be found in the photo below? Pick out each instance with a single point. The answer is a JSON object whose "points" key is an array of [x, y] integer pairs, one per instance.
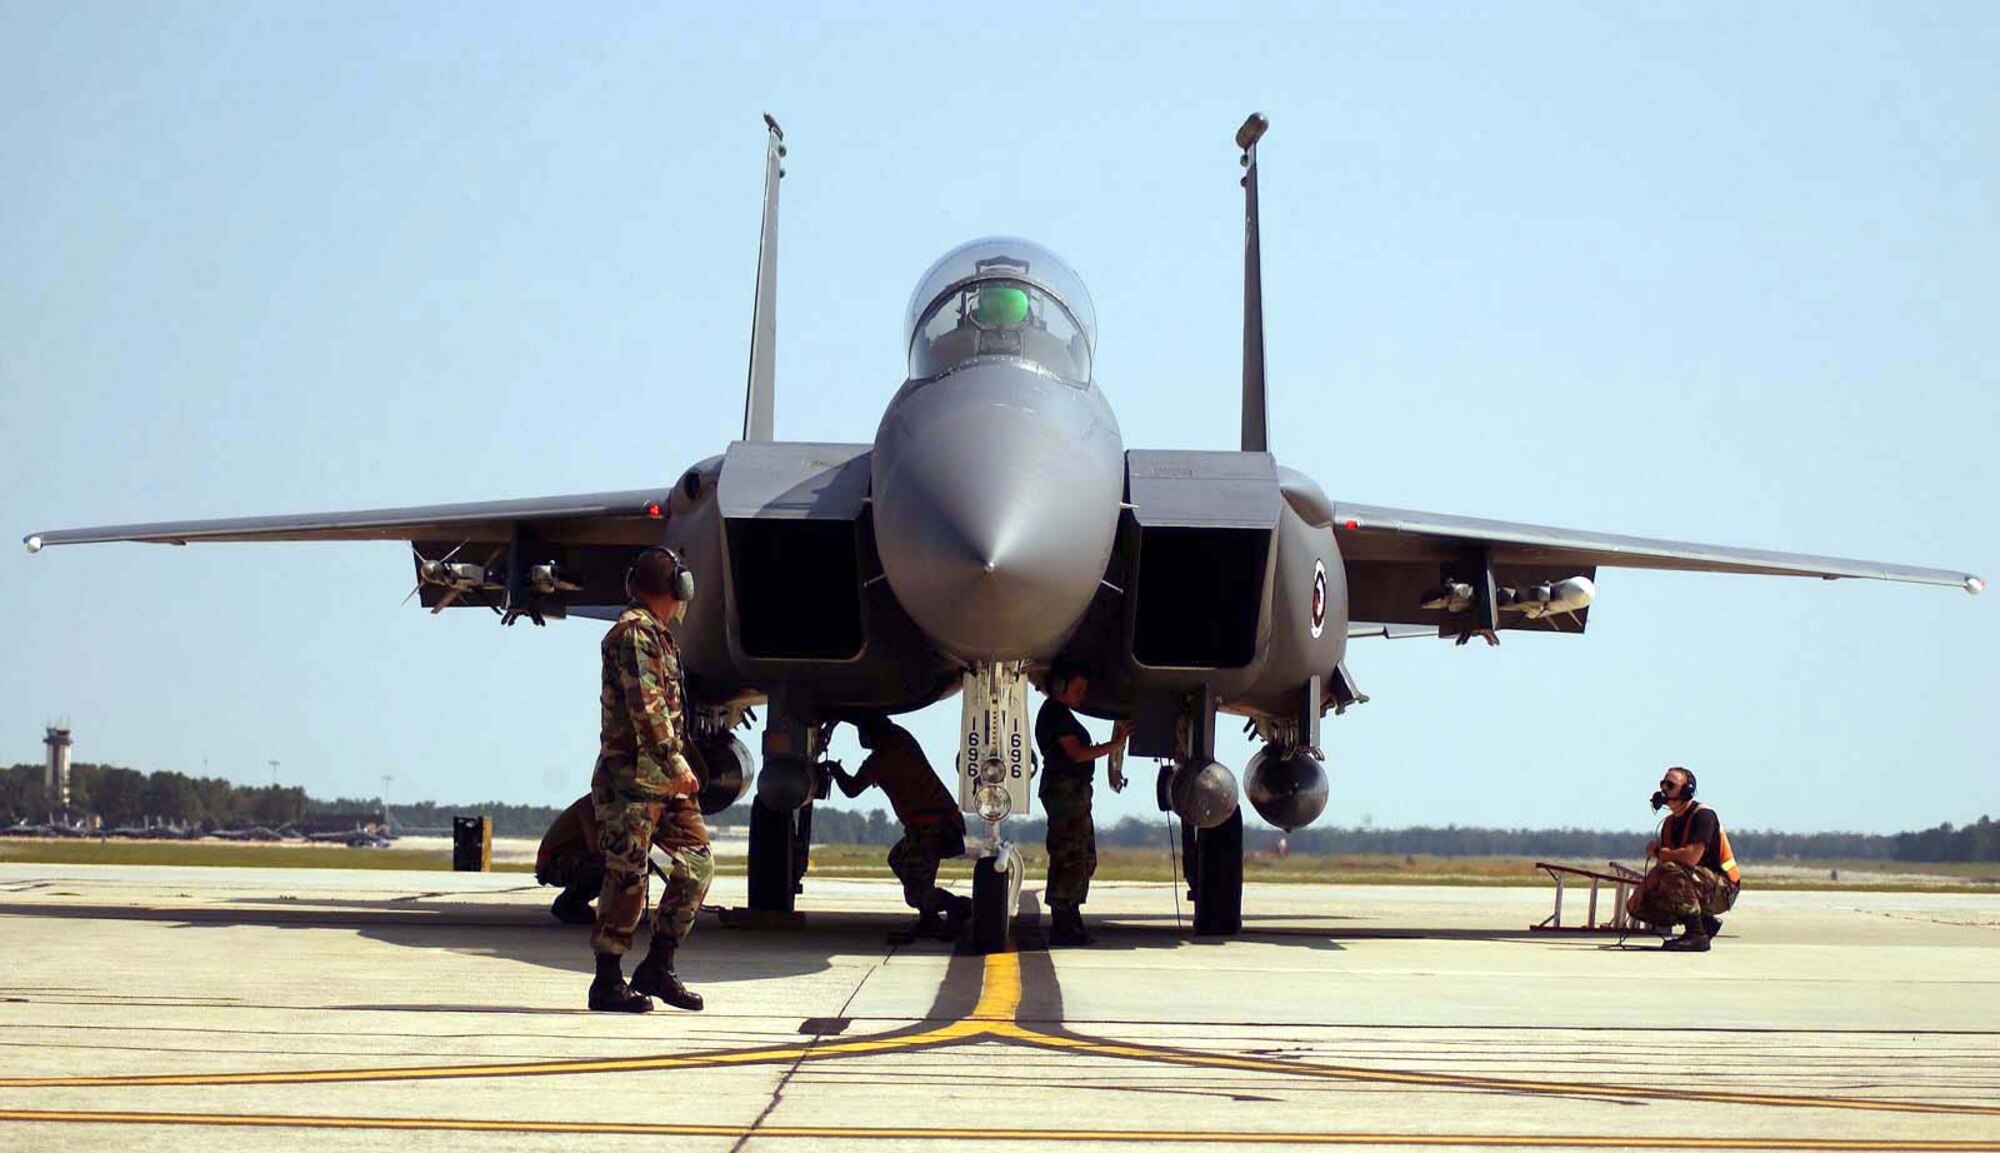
{"points": [[681, 579], [1686, 790]]}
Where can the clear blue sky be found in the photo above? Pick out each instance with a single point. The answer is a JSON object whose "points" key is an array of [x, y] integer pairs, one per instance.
{"points": [[1722, 276]]}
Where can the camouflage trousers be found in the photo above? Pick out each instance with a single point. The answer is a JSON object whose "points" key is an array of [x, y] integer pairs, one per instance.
{"points": [[1674, 892], [915, 858], [1072, 842], [626, 830]]}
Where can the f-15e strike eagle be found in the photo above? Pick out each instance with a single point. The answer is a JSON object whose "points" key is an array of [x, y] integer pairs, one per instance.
{"points": [[997, 524]]}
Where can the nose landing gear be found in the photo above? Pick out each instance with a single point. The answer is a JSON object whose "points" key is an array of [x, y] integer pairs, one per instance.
{"points": [[995, 766]]}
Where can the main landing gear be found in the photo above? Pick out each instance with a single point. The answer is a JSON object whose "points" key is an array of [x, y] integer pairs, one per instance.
{"points": [[781, 819]]}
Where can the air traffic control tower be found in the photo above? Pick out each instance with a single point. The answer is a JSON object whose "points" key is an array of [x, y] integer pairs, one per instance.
{"points": [[55, 774]]}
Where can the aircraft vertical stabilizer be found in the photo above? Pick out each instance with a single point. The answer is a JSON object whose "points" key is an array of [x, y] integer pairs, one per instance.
{"points": [[759, 394], [1255, 412]]}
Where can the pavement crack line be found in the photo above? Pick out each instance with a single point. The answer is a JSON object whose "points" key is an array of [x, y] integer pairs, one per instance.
{"points": [[996, 1018], [778, 1090]]}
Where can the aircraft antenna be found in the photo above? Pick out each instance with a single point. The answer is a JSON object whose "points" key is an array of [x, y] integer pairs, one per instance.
{"points": [[759, 393], [1255, 412]]}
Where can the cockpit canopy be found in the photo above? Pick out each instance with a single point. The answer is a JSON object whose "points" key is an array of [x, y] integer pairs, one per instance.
{"points": [[1005, 297]]}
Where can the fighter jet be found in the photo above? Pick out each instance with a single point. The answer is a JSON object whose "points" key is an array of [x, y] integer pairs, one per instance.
{"points": [[997, 524]]}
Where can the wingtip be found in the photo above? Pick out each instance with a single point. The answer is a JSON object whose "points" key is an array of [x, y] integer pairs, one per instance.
{"points": [[1974, 586], [34, 544]]}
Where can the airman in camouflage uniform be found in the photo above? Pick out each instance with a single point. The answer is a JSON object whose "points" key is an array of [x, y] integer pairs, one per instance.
{"points": [[933, 827], [1068, 759], [643, 792], [1695, 879]]}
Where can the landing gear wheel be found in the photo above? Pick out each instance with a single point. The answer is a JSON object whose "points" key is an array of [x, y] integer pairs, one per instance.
{"points": [[992, 907], [773, 854], [1218, 878]]}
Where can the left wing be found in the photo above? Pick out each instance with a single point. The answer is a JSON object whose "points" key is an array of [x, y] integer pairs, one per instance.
{"points": [[1404, 566]]}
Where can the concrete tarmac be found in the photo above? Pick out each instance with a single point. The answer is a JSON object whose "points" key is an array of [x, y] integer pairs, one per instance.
{"points": [[221, 1009]]}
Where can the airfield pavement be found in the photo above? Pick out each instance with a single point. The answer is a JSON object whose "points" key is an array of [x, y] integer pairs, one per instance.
{"points": [[220, 1009]]}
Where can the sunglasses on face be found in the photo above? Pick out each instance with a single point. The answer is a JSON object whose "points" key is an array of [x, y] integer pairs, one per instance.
{"points": [[1669, 785]]}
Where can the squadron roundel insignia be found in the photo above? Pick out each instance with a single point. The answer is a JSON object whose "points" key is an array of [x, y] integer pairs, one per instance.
{"points": [[1319, 598]]}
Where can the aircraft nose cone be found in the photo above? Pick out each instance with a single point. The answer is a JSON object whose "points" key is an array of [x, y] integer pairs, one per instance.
{"points": [[993, 516]]}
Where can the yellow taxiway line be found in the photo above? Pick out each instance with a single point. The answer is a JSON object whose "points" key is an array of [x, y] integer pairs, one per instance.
{"points": [[994, 1019], [1057, 1136]]}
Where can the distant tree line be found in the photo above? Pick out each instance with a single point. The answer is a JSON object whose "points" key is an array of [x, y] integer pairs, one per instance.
{"points": [[508, 820], [128, 797], [851, 827], [1979, 841], [121, 796], [1587, 844]]}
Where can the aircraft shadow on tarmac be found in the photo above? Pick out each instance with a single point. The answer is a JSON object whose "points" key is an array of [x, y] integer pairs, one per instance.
{"points": [[526, 934]]}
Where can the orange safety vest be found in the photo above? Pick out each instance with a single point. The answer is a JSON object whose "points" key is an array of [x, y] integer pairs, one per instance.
{"points": [[1729, 868]]}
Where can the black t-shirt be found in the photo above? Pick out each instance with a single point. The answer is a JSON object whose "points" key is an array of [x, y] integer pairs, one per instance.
{"points": [[1052, 724], [1698, 826]]}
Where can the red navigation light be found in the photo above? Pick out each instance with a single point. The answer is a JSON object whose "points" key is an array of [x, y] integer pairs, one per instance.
{"points": [[655, 511], [1352, 525]]}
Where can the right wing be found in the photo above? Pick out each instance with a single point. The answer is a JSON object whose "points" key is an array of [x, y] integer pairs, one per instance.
{"points": [[632, 517], [573, 552]]}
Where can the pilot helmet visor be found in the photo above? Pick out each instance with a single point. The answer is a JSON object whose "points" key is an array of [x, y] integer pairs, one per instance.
{"points": [[999, 306]]}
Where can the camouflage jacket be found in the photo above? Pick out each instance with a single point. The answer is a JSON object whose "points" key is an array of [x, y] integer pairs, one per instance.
{"points": [[642, 726]]}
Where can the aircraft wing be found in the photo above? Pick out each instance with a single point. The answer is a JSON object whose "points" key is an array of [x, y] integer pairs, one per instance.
{"points": [[1360, 629], [1398, 558], [540, 557], [624, 518]]}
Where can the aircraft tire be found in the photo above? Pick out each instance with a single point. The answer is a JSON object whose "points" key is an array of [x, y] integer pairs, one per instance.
{"points": [[1218, 878], [773, 879], [992, 916]]}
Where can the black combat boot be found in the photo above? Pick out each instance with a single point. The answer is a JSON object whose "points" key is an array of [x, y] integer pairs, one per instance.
{"points": [[957, 911], [610, 994], [1066, 926], [655, 976], [572, 907], [1711, 925], [1693, 938]]}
